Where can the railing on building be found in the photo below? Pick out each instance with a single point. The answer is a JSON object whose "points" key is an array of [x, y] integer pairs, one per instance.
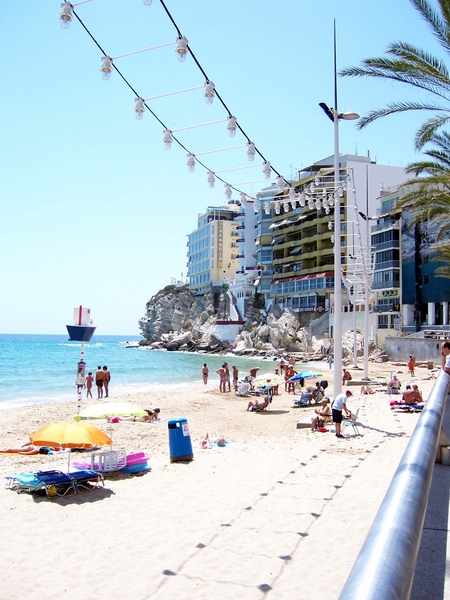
{"points": [[385, 565]]}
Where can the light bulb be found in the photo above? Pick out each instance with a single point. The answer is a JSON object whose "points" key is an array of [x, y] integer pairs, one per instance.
{"points": [[65, 16], [211, 179], [209, 92], [267, 207], [190, 163], [147, 2], [182, 48], [139, 108], [243, 199], [280, 182], [251, 151], [286, 206], [231, 126], [106, 67], [277, 208], [266, 169], [256, 206], [227, 191], [167, 139]]}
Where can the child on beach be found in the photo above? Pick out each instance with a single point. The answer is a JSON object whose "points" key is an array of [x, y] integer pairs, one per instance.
{"points": [[89, 381]]}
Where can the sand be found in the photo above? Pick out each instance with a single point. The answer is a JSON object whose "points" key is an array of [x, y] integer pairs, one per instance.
{"points": [[277, 513]]}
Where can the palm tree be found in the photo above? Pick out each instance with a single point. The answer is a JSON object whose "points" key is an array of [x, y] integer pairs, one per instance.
{"points": [[408, 64]]}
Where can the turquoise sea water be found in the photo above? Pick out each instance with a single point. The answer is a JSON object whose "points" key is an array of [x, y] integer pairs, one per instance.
{"points": [[42, 368]]}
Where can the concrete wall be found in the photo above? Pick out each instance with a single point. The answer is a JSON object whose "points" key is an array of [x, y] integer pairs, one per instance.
{"points": [[399, 349]]}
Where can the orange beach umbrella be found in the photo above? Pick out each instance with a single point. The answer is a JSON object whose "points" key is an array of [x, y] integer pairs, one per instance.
{"points": [[70, 435]]}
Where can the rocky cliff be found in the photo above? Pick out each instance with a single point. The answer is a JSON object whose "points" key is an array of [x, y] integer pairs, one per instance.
{"points": [[176, 319]]}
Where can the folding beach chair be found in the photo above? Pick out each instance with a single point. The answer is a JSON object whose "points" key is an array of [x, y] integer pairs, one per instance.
{"points": [[55, 483], [353, 422], [87, 479]]}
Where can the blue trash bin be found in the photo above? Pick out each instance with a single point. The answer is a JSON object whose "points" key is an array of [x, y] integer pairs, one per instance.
{"points": [[180, 445]]}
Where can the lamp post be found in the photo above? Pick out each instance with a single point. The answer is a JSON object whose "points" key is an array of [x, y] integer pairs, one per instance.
{"points": [[335, 116], [368, 286]]}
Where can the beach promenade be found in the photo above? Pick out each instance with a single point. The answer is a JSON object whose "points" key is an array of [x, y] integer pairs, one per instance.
{"points": [[278, 513]]}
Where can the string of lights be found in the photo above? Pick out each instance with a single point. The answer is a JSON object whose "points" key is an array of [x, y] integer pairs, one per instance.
{"points": [[183, 49]]}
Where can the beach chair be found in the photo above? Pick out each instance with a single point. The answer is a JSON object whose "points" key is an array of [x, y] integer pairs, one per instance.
{"points": [[87, 479], [302, 400], [55, 483], [352, 422], [112, 460]]}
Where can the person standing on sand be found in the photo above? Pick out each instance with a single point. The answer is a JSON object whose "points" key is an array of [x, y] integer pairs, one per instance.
{"points": [[222, 373], [205, 373], [227, 378], [235, 377], [411, 364], [338, 406], [89, 381], [106, 380], [99, 379], [330, 360]]}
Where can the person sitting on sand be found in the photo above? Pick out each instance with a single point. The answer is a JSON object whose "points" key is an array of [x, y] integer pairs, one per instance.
{"points": [[415, 388], [29, 448], [409, 396], [393, 387], [365, 390], [323, 415], [346, 376], [258, 405], [317, 393], [244, 388]]}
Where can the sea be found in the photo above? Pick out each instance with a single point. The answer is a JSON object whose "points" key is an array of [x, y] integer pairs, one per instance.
{"points": [[42, 368]]}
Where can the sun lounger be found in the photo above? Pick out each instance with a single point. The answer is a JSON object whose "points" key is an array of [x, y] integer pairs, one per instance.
{"points": [[55, 483]]}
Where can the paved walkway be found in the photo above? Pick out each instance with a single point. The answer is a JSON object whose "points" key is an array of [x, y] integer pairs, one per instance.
{"points": [[432, 576]]}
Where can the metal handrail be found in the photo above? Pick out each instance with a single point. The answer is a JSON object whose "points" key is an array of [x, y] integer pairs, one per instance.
{"points": [[386, 562]]}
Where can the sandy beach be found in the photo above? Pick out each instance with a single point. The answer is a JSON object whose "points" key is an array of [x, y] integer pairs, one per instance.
{"points": [[278, 512]]}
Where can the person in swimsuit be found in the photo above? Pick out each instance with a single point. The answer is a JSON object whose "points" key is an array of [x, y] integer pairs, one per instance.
{"points": [[99, 379], [89, 382], [106, 380], [222, 374], [205, 373]]}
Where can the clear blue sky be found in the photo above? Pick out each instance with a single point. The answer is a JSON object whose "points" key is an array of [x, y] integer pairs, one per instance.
{"points": [[94, 211]]}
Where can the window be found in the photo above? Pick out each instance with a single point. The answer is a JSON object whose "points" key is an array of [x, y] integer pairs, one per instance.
{"points": [[383, 321]]}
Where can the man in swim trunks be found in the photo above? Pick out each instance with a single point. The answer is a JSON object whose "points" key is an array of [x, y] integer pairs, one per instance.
{"points": [[99, 379], [106, 380], [222, 374]]}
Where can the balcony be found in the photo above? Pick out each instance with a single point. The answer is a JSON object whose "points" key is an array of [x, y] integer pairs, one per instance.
{"points": [[389, 307], [240, 241], [386, 285]]}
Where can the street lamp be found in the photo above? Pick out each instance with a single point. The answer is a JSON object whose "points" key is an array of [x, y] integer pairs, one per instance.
{"points": [[368, 286], [335, 116]]}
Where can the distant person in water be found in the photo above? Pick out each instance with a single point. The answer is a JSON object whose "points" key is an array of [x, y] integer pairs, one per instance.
{"points": [[205, 373], [106, 380], [99, 380], [89, 381]]}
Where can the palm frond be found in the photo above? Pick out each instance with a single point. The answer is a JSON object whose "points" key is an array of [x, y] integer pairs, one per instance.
{"points": [[427, 130], [396, 107], [438, 23]]}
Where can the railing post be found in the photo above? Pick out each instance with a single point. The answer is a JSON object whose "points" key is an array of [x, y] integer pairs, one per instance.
{"points": [[384, 568]]}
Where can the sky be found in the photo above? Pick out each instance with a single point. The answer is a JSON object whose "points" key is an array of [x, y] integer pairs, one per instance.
{"points": [[93, 210]]}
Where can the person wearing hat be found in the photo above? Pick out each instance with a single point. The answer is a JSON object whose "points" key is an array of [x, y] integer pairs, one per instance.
{"points": [[337, 408]]}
